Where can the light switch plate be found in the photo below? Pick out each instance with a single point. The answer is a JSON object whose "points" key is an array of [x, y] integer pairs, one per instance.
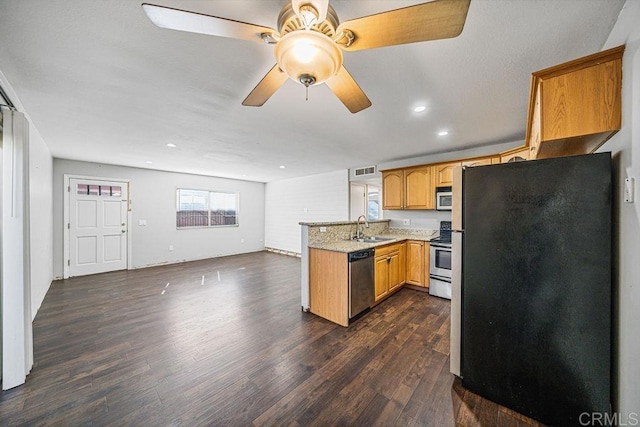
{"points": [[406, 222], [629, 190]]}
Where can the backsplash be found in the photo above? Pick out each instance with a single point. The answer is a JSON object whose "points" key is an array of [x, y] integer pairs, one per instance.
{"points": [[417, 232], [338, 231], [429, 220], [344, 231]]}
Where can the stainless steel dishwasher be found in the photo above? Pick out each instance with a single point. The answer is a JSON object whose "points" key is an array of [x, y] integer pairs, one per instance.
{"points": [[361, 281]]}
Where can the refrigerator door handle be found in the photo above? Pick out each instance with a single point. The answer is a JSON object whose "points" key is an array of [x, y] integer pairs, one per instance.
{"points": [[455, 350]]}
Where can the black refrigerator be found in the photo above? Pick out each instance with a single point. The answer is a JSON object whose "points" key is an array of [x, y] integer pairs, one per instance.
{"points": [[536, 286]]}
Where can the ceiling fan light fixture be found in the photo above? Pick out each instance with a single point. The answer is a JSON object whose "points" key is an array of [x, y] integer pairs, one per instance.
{"points": [[309, 15], [304, 50], [320, 8], [307, 79], [311, 53]]}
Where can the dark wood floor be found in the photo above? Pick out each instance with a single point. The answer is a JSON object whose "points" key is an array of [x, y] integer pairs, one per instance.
{"points": [[224, 342]]}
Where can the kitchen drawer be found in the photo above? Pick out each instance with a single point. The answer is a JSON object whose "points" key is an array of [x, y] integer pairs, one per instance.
{"points": [[387, 249]]}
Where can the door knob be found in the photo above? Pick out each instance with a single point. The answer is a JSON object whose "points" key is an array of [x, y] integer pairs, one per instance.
{"points": [[123, 224], [124, 231]]}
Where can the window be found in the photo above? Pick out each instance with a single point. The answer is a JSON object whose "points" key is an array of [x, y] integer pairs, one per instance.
{"points": [[198, 208], [99, 190], [373, 203]]}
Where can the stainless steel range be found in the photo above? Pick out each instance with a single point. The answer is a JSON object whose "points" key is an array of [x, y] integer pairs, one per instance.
{"points": [[440, 263]]}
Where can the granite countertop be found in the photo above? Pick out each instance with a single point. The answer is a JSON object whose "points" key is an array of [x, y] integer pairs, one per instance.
{"points": [[347, 246], [323, 224]]}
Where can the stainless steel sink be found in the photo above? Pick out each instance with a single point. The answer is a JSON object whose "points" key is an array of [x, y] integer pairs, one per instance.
{"points": [[373, 239]]}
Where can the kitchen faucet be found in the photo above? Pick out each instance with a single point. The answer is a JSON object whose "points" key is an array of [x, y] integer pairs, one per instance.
{"points": [[359, 230]]}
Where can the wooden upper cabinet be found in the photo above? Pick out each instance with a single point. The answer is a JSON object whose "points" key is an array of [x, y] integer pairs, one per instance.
{"points": [[576, 106], [393, 189], [518, 155], [573, 109], [482, 161], [444, 174], [419, 189]]}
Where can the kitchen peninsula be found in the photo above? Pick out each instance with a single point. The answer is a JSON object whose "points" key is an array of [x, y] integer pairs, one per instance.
{"points": [[401, 257]]}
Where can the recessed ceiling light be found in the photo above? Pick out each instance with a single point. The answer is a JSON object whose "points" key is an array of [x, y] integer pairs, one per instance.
{"points": [[443, 133], [149, 162], [282, 167], [171, 145], [420, 108]]}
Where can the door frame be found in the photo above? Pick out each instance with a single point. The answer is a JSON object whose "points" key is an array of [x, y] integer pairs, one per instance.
{"points": [[66, 199]]}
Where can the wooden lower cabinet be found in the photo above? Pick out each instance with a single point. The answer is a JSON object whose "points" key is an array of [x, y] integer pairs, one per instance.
{"points": [[415, 263], [418, 263], [402, 270], [381, 272], [389, 270], [329, 285]]}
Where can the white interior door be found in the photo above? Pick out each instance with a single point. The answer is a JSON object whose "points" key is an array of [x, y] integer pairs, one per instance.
{"points": [[98, 229]]}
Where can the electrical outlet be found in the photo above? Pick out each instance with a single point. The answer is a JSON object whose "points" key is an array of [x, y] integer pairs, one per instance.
{"points": [[406, 222], [170, 248], [242, 240], [142, 222], [323, 229]]}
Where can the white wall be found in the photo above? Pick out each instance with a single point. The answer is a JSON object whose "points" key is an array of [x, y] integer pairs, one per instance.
{"points": [[625, 149], [323, 197], [153, 198], [41, 220]]}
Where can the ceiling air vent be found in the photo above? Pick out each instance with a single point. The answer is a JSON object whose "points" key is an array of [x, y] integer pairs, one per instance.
{"points": [[370, 170]]}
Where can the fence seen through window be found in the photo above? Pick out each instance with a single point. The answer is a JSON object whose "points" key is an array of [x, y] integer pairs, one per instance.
{"points": [[199, 208]]}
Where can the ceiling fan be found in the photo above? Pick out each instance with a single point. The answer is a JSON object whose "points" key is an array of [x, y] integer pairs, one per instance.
{"points": [[310, 39]]}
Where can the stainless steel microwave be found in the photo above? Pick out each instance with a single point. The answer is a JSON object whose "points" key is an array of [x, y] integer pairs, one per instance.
{"points": [[444, 198]]}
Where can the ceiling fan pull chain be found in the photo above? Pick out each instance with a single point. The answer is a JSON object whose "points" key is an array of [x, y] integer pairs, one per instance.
{"points": [[307, 93]]}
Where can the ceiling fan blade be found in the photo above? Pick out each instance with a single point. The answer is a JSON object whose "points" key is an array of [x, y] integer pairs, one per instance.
{"points": [[320, 5], [348, 91], [267, 87], [439, 19], [182, 20]]}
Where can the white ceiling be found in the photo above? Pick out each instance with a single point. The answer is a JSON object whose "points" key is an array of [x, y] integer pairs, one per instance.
{"points": [[103, 84]]}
